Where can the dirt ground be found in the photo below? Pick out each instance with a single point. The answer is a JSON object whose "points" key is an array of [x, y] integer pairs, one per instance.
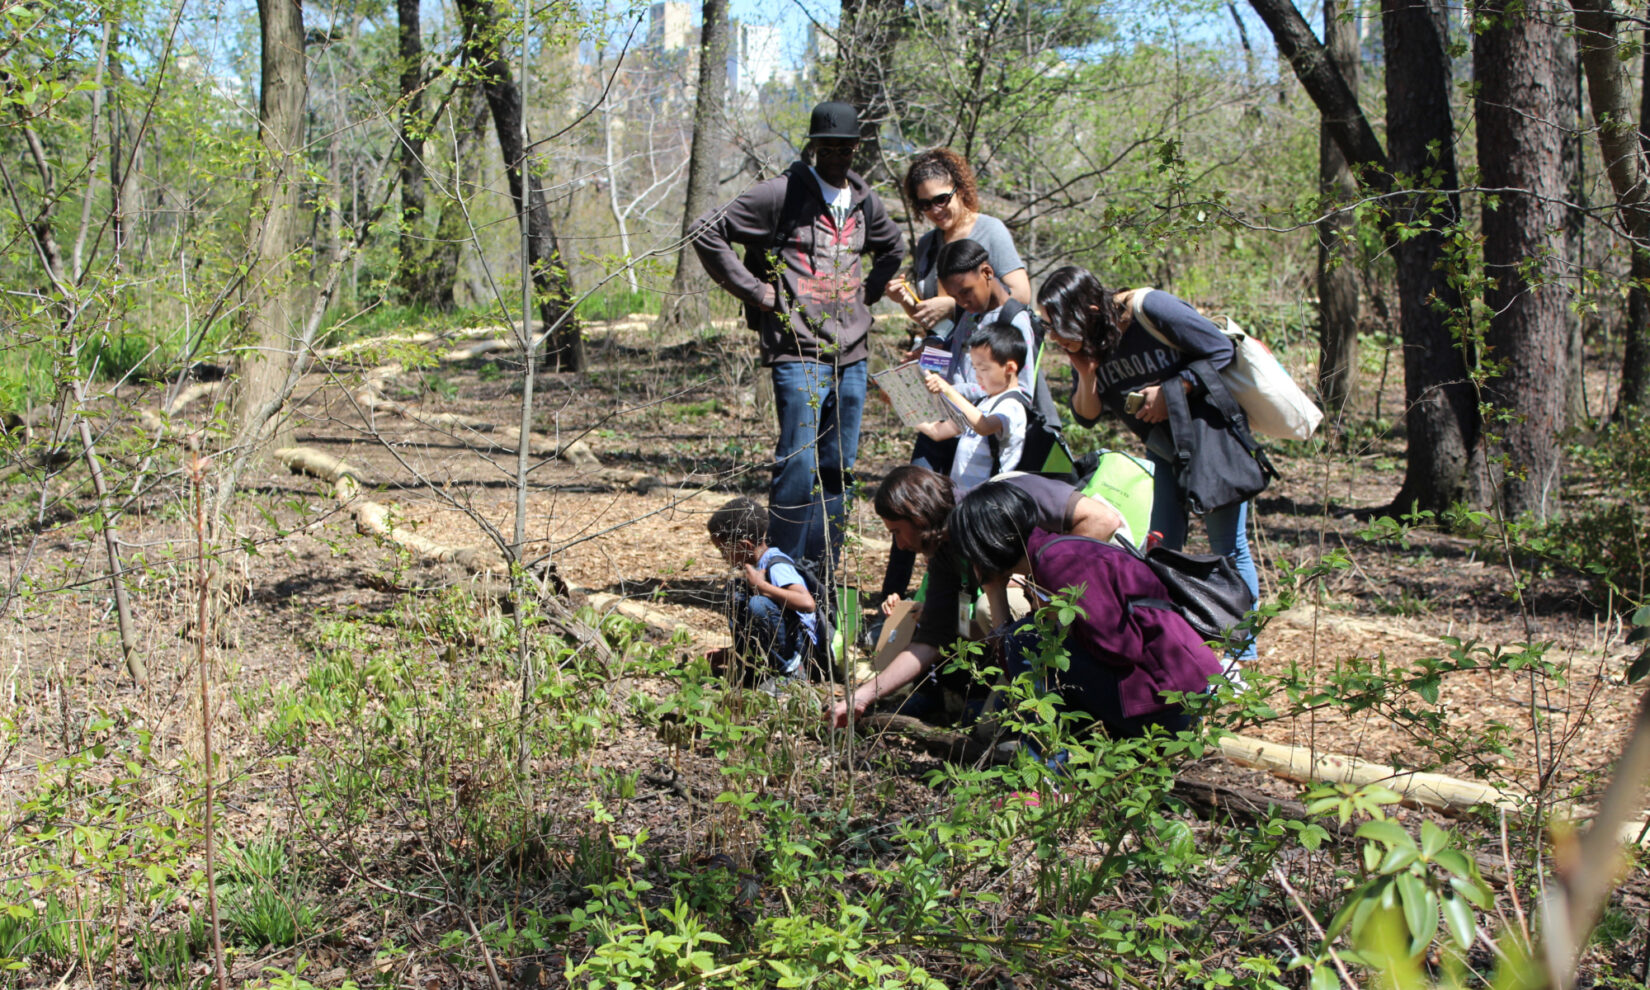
{"points": [[687, 422], [692, 413]]}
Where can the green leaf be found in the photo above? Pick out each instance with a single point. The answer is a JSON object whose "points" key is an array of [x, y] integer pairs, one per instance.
{"points": [[1459, 918], [1639, 667], [1342, 917], [1472, 890], [1420, 913], [1385, 832], [1325, 978], [1399, 858], [1455, 862], [1433, 839]]}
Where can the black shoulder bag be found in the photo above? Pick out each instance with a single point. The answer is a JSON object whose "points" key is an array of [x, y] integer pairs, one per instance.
{"points": [[1206, 589], [1216, 459]]}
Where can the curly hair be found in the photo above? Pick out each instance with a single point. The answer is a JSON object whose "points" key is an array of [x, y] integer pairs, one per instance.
{"points": [[914, 494], [740, 519], [943, 163]]}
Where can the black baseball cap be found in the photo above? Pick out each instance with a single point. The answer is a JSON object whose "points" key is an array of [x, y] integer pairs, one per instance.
{"points": [[834, 120]]}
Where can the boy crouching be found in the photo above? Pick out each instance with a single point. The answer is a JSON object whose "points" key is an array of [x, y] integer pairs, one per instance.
{"points": [[770, 610]]}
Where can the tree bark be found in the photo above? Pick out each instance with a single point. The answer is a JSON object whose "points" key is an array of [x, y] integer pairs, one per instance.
{"points": [[867, 35], [1623, 152], [413, 274], [1576, 412], [271, 316], [1441, 415], [1635, 361], [688, 303], [1518, 62], [1337, 249], [483, 36]]}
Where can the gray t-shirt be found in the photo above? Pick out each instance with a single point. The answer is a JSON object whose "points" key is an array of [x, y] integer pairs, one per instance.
{"points": [[988, 232]]}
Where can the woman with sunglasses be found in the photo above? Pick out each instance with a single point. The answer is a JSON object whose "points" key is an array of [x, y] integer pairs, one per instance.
{"points": [[940, 186]]}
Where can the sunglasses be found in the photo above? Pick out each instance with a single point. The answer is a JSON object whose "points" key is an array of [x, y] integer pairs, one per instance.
{"points": [[924, 205]]}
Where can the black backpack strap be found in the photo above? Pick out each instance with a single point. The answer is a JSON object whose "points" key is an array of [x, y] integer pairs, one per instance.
{"points": [[1221, 398], [1068, 539], [994, 440]]}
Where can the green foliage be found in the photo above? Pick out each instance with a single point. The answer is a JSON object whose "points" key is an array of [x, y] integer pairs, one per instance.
{"points": [[265, 900], [615, 301], [1604, 534]]}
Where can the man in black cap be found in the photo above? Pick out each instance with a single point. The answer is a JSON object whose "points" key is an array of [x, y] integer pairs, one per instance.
{"points": [[807, 296]]}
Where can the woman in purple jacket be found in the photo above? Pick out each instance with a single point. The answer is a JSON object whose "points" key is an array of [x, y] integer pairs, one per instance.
{"points": [[1127, 648]]}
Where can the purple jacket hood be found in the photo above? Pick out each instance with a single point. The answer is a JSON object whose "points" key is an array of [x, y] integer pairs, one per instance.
{"points": [[1152, 649]]}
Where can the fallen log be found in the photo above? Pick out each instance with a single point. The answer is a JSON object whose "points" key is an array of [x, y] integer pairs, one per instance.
{"points": [[378, 520], [1444, 794]]}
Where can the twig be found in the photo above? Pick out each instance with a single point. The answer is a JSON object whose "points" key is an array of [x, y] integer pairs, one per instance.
{"points": [[202, 589], [1317, 929], [1512, 885]]}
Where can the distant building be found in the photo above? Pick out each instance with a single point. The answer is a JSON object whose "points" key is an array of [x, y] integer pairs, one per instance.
{"points": [[756, 58], [670, 27]]}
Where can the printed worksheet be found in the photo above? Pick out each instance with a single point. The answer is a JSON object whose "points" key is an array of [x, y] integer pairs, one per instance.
{"points": [[911, 399]]}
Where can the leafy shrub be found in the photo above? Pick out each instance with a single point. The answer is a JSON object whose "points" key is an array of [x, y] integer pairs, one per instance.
{"points": [[1607, 537]]}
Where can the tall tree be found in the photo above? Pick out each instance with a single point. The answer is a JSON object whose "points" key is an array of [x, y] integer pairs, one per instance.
{"points": [[271, 313], [413, 271], [1337, 248], [484, 41], [867, 34], [688, 301], [1616, 114], [1523, 103], [1441, 413]]}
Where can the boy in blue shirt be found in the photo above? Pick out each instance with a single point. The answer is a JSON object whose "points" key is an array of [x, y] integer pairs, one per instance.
{"points": [[770, 610]]}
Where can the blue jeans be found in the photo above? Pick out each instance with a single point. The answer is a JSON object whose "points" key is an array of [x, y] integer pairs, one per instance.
{"points": [[1087, 686], [1227, 528], [763, 631], [819, 409]]}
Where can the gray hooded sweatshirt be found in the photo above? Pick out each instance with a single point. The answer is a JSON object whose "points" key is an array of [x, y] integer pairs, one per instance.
{"points": [[792, 243]]}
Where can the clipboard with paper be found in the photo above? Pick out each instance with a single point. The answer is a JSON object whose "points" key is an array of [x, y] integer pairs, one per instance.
{"points": [[912, 402]]}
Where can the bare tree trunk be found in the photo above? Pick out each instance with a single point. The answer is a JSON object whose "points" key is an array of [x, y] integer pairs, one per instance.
{"points": [[123, 191], [1576, 412], [1441, 415], [271, 314], [609, 162], [1518, 62], [469, 117], [1623, 152], [483, 33], [1249, 49], [1318, 75], [413, 272], [1635, 360], [1337, 249], [688, 301]]}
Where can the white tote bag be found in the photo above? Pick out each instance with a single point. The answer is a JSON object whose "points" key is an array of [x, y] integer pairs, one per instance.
{"points": [[1275, 405]]}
